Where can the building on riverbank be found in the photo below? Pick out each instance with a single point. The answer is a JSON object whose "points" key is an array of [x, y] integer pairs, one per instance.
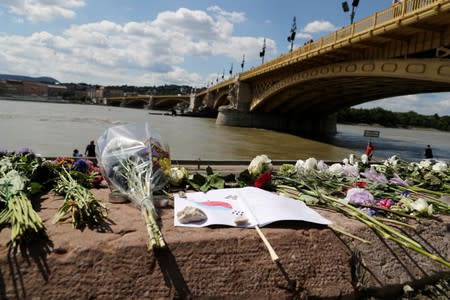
{"points": [[31, 88]]}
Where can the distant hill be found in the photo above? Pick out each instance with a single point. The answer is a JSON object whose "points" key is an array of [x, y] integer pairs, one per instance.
{"points": [[48, 80]]}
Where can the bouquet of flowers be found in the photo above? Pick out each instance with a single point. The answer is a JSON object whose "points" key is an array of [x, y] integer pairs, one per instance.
{"points": [[135, 161], [375, 194], [16, 209]]}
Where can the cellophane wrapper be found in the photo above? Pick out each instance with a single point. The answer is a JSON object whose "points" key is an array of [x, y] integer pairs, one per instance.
{"points": [[119, 145]]}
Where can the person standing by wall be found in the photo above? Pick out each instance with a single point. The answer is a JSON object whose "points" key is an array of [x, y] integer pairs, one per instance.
{"points": [[76, 154], [90, 149], [428, 152]]}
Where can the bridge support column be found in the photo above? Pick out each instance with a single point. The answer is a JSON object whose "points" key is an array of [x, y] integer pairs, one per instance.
{"points": [[295, 124], [194, 102], [244, 96], [151, 102]]}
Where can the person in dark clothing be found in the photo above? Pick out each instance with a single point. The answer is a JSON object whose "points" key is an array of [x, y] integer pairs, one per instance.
{"points": [[90, 149], [428, 152], [76, 154]]}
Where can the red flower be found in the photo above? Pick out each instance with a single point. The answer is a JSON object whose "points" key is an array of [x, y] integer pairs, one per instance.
{"points": [[360, 184], [263, 180]]}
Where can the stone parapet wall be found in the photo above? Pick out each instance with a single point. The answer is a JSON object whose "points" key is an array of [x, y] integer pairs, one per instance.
{"points": [[217, 262]]}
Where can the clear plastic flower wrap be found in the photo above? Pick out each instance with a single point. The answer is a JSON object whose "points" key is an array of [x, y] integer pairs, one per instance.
{"points": [[134, 160], [134, 144]]}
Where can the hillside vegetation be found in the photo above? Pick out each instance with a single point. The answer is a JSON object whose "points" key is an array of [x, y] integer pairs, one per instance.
{"points": [[393, 119]]}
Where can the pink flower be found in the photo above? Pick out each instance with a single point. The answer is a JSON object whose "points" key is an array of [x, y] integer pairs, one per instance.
{"points": [[385, 203]]}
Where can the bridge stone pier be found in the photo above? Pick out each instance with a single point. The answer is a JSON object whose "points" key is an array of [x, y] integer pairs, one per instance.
{"points": [[296, 124], [237, 113]]}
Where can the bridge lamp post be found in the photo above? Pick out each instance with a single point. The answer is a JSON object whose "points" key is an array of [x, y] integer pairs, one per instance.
{"points": [[346, 8], [291, 37], [263, 51]]}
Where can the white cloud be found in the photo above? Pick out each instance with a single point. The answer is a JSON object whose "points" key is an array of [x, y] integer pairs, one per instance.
{"points": [[425, 104], [234, 17], [139, 53], [43, 10], [319, 27]]}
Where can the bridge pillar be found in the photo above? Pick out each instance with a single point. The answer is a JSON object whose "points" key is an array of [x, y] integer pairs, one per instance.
{"points": [[295, 124], [151, 102], [244, 96], [105, 101], [194, 102]]}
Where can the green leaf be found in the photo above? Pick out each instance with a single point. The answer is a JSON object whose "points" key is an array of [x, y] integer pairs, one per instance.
{"points": [[197, 181], [35, 187], [214, 181]]}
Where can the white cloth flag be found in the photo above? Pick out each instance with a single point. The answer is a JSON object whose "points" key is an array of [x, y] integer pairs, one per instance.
{"points": [[260, 207]]}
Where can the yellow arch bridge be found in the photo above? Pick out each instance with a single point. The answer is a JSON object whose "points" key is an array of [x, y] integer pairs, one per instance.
{"points": [[404, 49], [147, 101]]}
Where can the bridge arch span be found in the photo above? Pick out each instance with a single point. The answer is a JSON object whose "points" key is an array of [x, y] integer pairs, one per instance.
{"points": [[168, 102], [352, 83], [221, 99]]}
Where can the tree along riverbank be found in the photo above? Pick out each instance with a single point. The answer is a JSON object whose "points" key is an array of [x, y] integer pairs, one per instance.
{"points": [[391, 119]]}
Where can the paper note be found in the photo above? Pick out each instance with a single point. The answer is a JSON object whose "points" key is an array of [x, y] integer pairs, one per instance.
{"points": [[259, 207]]}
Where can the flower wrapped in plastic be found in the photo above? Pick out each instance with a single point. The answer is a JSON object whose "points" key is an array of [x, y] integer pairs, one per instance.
{"points": [[135, 161]]}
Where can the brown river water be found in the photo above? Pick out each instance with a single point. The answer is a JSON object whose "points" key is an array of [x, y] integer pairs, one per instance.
{"points": [[55, 129]]}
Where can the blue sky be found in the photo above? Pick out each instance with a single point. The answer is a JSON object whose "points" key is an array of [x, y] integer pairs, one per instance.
{"points": [[144, 43]]}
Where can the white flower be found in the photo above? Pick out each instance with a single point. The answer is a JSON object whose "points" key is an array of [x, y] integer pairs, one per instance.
{"points": [[413, 166], [14, 180], [351, 159], [321, 165], [421, 206], [259, 165], [336, 169], [345, 161], [392, 161], [299, 165], [310, 164], [350, 170], [425, 164], [305, 166], [364, 159], [440, 166], [178, 175]]}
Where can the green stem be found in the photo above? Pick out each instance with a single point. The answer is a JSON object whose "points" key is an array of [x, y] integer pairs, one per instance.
{"points": [[397, 223], [336, 228], [381, 229]]}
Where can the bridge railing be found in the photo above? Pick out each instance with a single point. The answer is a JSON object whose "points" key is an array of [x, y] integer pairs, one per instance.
{"points": [[391, 14]]}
